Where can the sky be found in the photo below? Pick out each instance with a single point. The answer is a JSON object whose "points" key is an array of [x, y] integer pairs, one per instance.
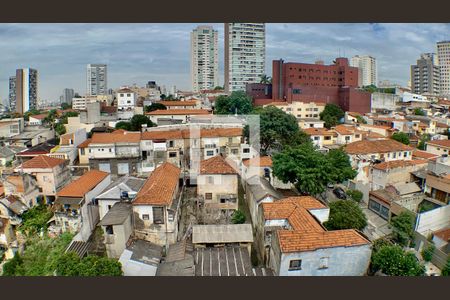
{"points": [[137, 53]]}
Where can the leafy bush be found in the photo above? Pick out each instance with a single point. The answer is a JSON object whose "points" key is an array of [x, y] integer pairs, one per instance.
{"points": [[69, 264], [355, 195], [394, 261], [446, 269], [238, 217], [427, 253], [401, 137], [403, 227], [345, 215], [35, 219]]}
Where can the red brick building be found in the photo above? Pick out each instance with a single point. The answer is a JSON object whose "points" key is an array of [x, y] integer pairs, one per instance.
{"points": [[334, 83]]}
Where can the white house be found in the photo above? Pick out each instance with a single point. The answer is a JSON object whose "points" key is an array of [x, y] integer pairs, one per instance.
{"points": [[126, 99]]}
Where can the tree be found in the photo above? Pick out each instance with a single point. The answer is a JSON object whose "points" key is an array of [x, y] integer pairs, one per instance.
{"points": [[31, 112], [427, 253], [70, 264], [66, 115], [331, 115], [155, 106], [60, 129], [238, 102], [278, 129], [12, 266], [138, 120], [401, 137], [355, 195], [238, 217], [123, 125], [403, 227], [345, 215], [361, 120], [446, 269], [370, 88], [218, 88], [35, 219], [65, 106], [163, 97], [419, 112], [309, 170], [265, 79], [425, 206], [423, 140], [394, 261]]}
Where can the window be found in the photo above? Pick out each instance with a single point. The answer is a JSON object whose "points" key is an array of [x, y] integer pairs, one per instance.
{"points": [[357, 136], [110, 150], [295, 265], [230, 140], [394, 155], [209, 153], [266, 172], [210, 179], [109, 207], [208, 196], [109, 229], [316, 138], [347, 138], [246, 150], [121, 95], [172, 154], [145, 217], [171, 216], [82, 151], [234, 151], [299, 109], [327, 138], [405, 154], [323, 263], [128, 95], [158, 215], [171, 143]]}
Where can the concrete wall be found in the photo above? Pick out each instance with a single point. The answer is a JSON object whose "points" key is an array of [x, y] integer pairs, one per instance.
{"points": [[223, 184], [433, 220], [135, 268], [342, 261], [117, 245], [103, 206]]}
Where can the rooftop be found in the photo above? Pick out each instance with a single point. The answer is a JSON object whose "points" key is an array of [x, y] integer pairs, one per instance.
{"points": [[42, 162], [164, 112], [160, 186], [185, 133], [262, 161], [378, 146], [117, 215], [319, 131], [423, 154], [222, 234], [384, 166], [443, 234], [123, 184], [85, 144], [121, 136], [82, 185], [216, 165], [178, 103], [442, 143], [260, 188]]}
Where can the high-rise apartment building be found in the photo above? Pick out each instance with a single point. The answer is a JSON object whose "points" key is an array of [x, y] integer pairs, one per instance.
{"points": [[204, 58], [67, 96], [443, 52], [245, 55], [426, 75], [97, 80], [12, 93], [367, 66], [26, 84]]}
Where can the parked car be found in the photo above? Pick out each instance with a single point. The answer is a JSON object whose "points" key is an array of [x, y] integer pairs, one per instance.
{"points": [[339, 192]]}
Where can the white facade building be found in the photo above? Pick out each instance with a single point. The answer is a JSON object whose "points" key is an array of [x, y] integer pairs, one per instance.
{"points": [[244, 54], [204, 58], [126, 99], [443, 52], [367, 65]]}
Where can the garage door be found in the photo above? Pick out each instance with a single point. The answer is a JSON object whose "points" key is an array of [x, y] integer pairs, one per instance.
{"points": [[105, 167], [122, 169]]}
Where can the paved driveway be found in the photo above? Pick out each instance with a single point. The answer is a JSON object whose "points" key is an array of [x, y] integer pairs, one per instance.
{"points": [[377, 227]]}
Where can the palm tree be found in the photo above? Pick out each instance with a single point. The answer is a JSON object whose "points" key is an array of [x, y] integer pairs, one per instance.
{"points": [[265, 79]]}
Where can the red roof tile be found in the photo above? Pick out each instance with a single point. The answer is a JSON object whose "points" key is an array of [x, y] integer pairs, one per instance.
{"points": [[85, 144], [160, 186], [42, 162], [164, 112], [442, 143], [262, 161], [83, 185], [216, 165], [423, 154], [118, 136], [378, 146], [384, 166]]}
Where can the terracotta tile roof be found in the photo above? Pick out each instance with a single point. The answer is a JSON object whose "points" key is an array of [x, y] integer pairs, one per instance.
{"points": [[79, 187], [423, 154], [263, 161], [160, 186], [441, 125], [85, 144], [164, 112], [178, 103], [296, 241], [443, 102], [185, 134], [442, 143], [375, 126], [344, 130], [443, 234], [378, 146], [39, 117], [384, 166], [65, 138], [373, 135], [118, 136], [42, 162], [125, 90], [216, 165], [354, 114], [17, 181], [319, 131], [306, 202]]}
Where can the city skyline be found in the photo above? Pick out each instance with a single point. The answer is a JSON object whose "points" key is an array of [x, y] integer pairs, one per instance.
{"points": [[161, 52]]}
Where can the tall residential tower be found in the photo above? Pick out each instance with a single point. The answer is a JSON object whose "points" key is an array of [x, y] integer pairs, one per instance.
{"points": [[245, 55], [367, 65], [97, 80], [204, 58], [443, 52], [26, 90], [425, 75]]}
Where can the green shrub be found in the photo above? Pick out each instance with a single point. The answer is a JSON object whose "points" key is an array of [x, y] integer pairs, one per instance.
{"points": [[427, 253], [355, 195], [238, 217], [446, 269]]}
